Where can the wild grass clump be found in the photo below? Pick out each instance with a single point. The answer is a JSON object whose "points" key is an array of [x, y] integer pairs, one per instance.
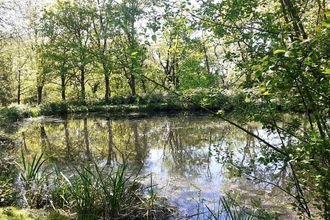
{"points": [[88, 190], [108, 193], [228, 208]]}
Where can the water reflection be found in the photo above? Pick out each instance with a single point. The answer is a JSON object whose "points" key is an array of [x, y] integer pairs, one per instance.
{"points": [[186, 155]]}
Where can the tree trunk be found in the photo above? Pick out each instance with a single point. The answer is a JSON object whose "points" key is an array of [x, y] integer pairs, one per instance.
{"points": [[132, 86], [39, 94], [63, 88], [82, 84], [107, 88], [296, 21], [19, 88], [144, 87]]}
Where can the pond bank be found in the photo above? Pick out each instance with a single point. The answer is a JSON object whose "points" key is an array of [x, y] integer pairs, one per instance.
{"points": [[19, 112]]}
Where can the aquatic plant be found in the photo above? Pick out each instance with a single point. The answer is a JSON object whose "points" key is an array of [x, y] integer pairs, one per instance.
{"points": [[93, 192]]}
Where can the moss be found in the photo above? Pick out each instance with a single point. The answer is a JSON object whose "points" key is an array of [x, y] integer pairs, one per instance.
{"points": [[12, 213]]}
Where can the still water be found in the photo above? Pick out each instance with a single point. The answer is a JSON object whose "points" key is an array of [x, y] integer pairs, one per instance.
{"points": [[185, 155]]}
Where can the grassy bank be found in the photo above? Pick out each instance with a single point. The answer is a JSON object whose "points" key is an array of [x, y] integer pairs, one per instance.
{"points": [[197, 101], [19, 112]]}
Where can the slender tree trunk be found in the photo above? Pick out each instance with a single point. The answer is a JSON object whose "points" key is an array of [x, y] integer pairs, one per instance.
{"points": [[144, 87], [206, 57], [63, 88], [107, 88], [39, 94], [19, 88], [82, 84], [132, 86], [296, 21]]}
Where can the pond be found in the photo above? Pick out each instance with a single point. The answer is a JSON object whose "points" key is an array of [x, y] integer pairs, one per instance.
{"points": [[185, 155]]}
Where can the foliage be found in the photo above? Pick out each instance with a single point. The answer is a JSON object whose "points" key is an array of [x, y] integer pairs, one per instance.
{"points": [[17, 112]]}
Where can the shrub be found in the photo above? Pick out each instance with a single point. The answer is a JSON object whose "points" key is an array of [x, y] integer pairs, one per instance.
{"points": [[16, 112], [52, 108]]}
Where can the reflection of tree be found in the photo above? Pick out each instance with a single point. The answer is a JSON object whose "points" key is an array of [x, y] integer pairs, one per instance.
{"points": [[249, 148], [140, 150], [110, 142], [24, 142], [67, 139], [44, 138], [86, 140], [185, 158]]}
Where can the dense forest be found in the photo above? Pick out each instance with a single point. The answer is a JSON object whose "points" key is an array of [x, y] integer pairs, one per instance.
{"points": [[239, 60]]}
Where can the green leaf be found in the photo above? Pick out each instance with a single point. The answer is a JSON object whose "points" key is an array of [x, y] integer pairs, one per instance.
{"points": [[134, 54], [258, 74], [327, 13], [326, 24], [266, 93], [262, 88], [279, 52], [154, 38], [326, 71]]}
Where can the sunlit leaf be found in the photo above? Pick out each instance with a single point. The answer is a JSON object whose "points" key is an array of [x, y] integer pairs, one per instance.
{"points": [[279, 52], [327, 71], [326, 24], [134, 53]]}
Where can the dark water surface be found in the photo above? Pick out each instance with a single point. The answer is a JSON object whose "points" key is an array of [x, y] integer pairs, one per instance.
{"points": [[184, 154]]}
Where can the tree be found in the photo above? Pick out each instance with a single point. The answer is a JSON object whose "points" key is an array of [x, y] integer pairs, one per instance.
{"points": [[73, 20], [277, 45], [130, 54], [103, 38]]}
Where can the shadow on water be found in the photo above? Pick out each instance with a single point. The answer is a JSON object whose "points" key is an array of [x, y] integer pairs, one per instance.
{"points": [[188, 156]]}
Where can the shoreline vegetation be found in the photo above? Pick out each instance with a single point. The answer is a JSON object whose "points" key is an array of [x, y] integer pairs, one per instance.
{"points": [[15, 112], [86, 191]]}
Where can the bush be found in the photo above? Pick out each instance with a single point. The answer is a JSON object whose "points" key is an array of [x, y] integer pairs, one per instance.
{"points": [[54, 108], [16, 112], [208, 98]]}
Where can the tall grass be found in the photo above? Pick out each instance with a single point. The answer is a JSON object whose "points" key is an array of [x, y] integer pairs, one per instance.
{"points": [[89, 190], [228, 209], [34, 178], [111, 193], [31, 170]]}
